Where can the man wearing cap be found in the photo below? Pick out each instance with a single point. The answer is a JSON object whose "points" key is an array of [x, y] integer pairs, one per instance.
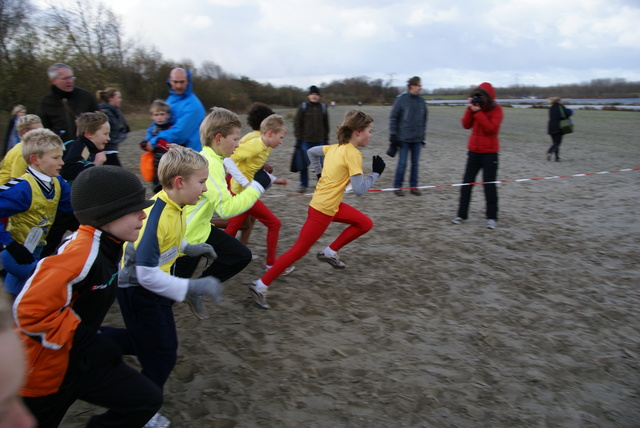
{"points": [[311, 128], [63, 304], [407, 128]]}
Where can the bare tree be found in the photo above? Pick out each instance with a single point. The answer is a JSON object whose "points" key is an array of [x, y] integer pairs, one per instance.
{"points": [[14, 19], [88, 36]]}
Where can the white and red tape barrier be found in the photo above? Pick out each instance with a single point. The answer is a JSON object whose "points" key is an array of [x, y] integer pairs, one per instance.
{"points": [[519, 180]]}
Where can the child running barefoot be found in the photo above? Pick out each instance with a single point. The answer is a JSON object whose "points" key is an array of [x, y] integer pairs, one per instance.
{"points": [[342, 166]]}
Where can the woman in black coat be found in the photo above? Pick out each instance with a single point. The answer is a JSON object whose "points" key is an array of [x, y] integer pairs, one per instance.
{"points": [[557, 112]]}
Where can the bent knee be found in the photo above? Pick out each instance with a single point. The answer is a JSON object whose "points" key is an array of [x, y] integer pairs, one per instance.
{"points": [[366, 224]]}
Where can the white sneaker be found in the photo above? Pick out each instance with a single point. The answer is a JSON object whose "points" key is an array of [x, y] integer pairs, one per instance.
{"points": [[258, 297], [491, 224], [457, 220], [158, 421]]}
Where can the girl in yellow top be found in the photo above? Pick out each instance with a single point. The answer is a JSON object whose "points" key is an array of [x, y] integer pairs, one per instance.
{"points": [[342, 166]]}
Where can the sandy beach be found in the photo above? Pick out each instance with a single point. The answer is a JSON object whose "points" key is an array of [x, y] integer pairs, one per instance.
{"points": [[533, 324]]}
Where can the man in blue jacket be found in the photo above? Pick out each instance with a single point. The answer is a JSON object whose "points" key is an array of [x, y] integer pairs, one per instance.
{"points": [[186, 110], [407, 127]]}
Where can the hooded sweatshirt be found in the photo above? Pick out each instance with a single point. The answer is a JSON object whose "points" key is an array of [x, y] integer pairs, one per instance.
{"points": [[484, 124], [187, 112]]}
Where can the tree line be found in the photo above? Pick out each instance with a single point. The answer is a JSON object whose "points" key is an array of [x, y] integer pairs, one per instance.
{"points": [[88, 36]]}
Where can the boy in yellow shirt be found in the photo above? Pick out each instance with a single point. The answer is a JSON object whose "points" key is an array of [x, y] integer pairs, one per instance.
{"points": [[250, 157], [14, 165], [31, 203], [146, 288]]}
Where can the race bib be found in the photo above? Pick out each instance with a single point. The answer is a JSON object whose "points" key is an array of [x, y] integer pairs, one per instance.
{"points": [[33, 238]]}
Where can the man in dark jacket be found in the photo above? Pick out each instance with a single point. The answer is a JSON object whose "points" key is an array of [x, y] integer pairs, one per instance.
{"points": [[311, 128], [60, 108], [407, 127]]}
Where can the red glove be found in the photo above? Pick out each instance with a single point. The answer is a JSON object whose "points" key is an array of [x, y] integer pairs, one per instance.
{"points": [[163, 145]]}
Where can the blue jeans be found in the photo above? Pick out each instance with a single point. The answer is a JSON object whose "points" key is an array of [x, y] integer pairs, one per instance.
{"points": [[402, 164], [304, 174]]}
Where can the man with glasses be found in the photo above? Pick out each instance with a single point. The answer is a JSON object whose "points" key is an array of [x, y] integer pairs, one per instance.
{"points": [[407, 127], [60, 108]]}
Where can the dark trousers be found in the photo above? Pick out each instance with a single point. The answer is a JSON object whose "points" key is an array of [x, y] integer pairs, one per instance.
{"points": [[304, 172], [131, 399], [151, 330], [556, 140], [233, 256], [488, 162]]}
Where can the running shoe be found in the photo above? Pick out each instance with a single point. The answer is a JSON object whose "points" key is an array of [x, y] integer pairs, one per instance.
{"points": [[196, 303], [260, 298], [333, 260]]}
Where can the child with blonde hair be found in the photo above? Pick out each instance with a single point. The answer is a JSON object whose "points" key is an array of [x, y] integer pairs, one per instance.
{"points": [[250, 157], [14, 165], [31, 203], [219, 132], [147, 289]]}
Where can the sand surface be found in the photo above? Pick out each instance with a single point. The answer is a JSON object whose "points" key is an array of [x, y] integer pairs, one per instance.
{"points": [[533, 324]]}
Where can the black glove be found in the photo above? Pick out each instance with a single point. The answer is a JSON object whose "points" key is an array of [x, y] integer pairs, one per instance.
{"points": [[263, 178], [20, 254], [394, 140], [392, 150], [378, 164]]}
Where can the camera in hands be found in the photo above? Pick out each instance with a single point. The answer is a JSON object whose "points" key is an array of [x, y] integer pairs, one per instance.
{"points": [[476, 99]]}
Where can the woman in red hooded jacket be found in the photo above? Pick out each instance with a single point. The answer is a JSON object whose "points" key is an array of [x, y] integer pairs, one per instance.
{"points": [[484, 117]]}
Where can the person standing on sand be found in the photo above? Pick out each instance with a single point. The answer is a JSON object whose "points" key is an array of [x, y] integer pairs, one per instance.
{"points": [[407, 128], [557, 112], [484, 117], [311, 128]]}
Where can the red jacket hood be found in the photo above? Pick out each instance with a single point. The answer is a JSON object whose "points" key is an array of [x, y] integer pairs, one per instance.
{"points": [[487, 87]]}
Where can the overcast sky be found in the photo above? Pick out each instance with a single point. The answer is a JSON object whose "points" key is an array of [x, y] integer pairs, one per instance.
{"points": [[448, 43]]}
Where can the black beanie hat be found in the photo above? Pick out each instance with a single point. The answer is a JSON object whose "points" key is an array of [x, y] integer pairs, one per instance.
{"points": [[102, 194], [314, 90]]}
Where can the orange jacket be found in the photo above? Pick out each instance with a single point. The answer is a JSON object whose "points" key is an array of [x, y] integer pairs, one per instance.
{"points": [[62, 306]]}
